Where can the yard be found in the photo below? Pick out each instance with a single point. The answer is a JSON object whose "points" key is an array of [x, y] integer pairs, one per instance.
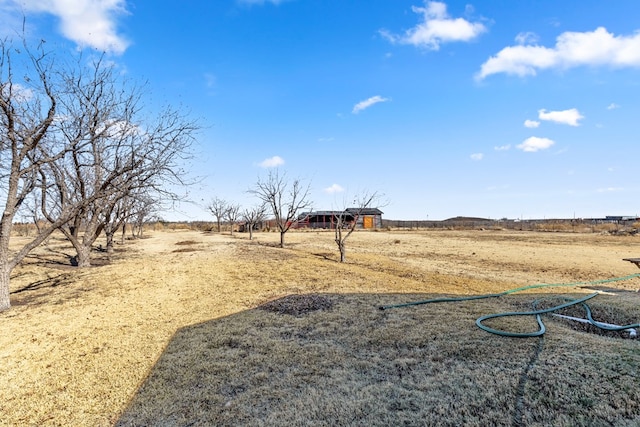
{"points": [[190, 328]]}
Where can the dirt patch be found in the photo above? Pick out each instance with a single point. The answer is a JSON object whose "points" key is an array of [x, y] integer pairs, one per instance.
{"points": [[298, 305], [186, 242], [184, 250]]}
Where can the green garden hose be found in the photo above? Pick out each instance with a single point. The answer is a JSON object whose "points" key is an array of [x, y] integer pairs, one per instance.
{"points": [[536, 313]]}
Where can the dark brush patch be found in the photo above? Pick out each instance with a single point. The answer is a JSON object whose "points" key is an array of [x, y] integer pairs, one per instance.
{"points": [[298, 305]]}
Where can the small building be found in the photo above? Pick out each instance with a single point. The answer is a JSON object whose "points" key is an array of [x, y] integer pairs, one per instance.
{"points": [[621, 218], [368, 218]]}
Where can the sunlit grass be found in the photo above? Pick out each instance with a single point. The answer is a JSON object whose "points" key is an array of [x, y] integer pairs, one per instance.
{"points": [[179, 338]]}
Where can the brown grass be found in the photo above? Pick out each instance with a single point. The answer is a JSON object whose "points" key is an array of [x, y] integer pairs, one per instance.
{"points": [[243, 333]]}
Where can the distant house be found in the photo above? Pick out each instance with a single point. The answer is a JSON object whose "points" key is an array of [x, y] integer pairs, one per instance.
{"points": [[369, 218]]}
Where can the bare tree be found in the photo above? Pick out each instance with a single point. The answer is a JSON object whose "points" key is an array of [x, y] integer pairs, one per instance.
{"points": [[143, 211], [51, 134], [28, 108], [115, 219], [232, 215], [253, 217], [134, 209], [284, 198], [116, 153], [347, 220], [218, 208]]}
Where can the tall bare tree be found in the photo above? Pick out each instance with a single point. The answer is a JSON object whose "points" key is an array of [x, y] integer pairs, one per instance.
{"points": [[285, 199], [28, 109], [347, 220], [254, 216], [218, 208], [116, 153]]}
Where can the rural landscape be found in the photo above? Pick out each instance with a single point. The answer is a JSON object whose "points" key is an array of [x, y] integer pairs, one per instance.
{"points": [[234, 213], [194, 327]]}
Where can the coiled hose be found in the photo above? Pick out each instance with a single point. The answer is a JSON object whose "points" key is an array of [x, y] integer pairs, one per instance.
{"points": [[537, 313]]}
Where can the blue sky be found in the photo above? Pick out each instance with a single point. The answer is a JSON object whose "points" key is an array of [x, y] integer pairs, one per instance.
{"points": [[501, 108]]}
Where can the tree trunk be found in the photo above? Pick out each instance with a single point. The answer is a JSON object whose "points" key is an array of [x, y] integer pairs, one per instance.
{"points": [[5, 274], [282, 233], [250, 231], [343, 250], [109, 236], [5, 267], [83, 256]]}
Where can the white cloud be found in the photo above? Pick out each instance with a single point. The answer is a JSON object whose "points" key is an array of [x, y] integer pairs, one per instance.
{"points": [[477, 156], [532, 124], [362, 105], [502, 147], [613, 106], [271, 162], [569, 117], [335, 188], [526, 38], [18, 92], [533, 144], [86, 22], [436, 28], [610, 190], [572, 49]]}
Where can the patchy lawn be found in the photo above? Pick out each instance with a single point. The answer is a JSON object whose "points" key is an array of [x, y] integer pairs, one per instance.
{"points": [[233, 332]]}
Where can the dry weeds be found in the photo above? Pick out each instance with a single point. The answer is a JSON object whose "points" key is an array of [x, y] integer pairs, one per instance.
{"points": [[174, 338]]}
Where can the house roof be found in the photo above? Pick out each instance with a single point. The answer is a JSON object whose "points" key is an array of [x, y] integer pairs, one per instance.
{"points": [[365, 211], [318, 213], [351, 211]]}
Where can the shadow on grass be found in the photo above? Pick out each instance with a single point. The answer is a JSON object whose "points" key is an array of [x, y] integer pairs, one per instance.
{"points": [[52, 257], [61, 259], [49, 282], [337, 360], [56, 289]]}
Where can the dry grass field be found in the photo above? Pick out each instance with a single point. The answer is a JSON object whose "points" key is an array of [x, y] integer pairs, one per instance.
{"points": [[185, 328]]}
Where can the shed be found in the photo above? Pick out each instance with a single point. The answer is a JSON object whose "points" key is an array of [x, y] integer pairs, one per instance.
{"points": [[367, 219]]}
